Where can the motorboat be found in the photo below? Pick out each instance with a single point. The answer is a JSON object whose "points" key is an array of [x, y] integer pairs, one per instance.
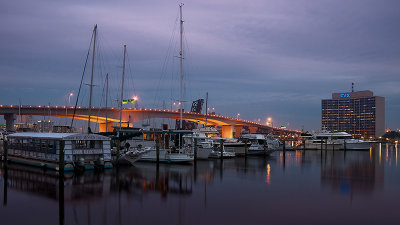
{"points": [[133, 155], [260, 145], [167, 156], [203, 143], [335, 140], [216, 154]]}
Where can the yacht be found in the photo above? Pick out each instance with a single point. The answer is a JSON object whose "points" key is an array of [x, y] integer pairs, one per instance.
{"points": [[204, 144], [335, 140], [260, 145], [132, 155], [217, 148], [167, 156]]}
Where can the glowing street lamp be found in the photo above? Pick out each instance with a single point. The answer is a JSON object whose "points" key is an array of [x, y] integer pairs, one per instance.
{"points": [[269, 122], [237, 116], [69, 98]]}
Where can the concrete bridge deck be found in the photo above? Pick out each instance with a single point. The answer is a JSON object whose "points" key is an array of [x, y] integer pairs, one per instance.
{"points": [[109, 116]]}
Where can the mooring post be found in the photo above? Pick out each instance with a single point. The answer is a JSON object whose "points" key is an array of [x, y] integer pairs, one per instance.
{"points": [[265, 148], [118, 143], [344, 144], [61, 158], [284, 149], [304, 145], [157, 151], [284, 154], [246, 148], [322, 142], [61, 184], [222, 148], [195, 149], [326, 144], [5, 152], [5, 176]]}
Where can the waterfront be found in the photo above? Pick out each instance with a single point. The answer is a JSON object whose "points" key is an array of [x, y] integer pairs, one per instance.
{"points": [[304, 187]]}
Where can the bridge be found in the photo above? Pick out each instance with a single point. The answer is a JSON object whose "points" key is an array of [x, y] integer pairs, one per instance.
{"points": [[108, 117]]}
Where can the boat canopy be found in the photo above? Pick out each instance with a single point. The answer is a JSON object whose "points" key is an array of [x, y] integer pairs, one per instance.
{"points": [[60, 136]]}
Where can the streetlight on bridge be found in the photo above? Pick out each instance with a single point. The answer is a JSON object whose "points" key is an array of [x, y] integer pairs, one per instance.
{"points": [[269, 122], [69, 98]]}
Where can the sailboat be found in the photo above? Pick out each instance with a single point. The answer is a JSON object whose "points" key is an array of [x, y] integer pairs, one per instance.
{"points": [[179, 155]]}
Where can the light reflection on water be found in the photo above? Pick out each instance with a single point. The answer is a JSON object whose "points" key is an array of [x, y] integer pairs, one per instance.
{"points": [[300, 187]]}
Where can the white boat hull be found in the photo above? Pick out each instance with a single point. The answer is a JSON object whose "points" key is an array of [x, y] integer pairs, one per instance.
{"points": [[166, 157], [217, 154]]}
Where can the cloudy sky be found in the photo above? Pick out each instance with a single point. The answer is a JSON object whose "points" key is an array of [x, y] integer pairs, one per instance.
{"points": [[259, 58]]}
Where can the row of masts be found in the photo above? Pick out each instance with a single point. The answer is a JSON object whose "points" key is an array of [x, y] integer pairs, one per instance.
{"points": [[181, 57], [91, 84]]}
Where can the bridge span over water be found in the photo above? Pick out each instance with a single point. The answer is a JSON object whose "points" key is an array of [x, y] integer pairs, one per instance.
{"points": [[108, 117]]}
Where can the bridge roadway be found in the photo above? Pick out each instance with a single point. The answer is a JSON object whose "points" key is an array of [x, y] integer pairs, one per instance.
{"points": [[98, 115]]}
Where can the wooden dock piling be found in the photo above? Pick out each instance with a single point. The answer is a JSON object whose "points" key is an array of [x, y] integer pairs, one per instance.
{"points": [[265, 149], [61, 163], [195, 149], [157, 151], [284, 149], [5, 152], [5, 175], [61, 184], [222, 148], [326, 144], [118, 144], [246, 148]]}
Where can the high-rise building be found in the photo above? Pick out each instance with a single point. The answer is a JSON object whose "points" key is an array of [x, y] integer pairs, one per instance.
{"points": [[358, 113]]}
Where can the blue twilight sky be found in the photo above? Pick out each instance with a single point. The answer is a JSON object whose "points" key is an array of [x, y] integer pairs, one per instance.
{"points": [[259, 58]]}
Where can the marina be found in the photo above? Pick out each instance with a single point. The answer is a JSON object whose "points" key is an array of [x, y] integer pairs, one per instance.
{"points": [[213, 112], [358, 186]]}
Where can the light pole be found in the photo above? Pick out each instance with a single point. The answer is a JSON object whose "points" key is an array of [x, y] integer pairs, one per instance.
{"points": [[69, 98], [237, 116], [269, 122]]}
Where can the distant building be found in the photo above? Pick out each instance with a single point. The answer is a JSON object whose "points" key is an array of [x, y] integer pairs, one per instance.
{"points": [[358, 113], [44, 126]]}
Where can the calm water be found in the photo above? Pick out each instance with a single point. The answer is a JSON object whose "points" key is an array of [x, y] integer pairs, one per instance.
{"points": [[312, 187]]}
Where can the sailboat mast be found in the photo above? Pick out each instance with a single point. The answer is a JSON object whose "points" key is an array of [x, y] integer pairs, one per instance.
{"points": [[206, 107], [181, 67], [122, 88], [106, 102], [91, 75]]}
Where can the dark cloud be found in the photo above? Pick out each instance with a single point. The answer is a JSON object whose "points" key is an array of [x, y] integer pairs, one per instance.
{"points": [[258, 58]]}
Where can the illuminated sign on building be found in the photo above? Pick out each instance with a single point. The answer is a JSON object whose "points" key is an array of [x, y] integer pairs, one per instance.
{"points": [[345, 95]]}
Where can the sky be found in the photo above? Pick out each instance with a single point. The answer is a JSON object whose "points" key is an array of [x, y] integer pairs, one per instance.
{"points": [[259, 58]]}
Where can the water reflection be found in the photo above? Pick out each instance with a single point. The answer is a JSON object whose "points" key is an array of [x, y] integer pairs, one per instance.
{"points": [[195, 194], [350, 172]]}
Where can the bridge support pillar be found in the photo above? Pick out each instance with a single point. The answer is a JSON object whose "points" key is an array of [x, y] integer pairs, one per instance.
{"points": [[238, 131], [227, 131], [253, 130], [106, 127], [9, 118]]}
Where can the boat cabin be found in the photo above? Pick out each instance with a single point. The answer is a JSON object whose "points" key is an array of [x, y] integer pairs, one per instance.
{"points": [[43, 149]]}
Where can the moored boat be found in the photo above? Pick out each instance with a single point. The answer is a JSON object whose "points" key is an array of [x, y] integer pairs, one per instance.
{"points": [[336, 140], [43, 150], [166, 156]]}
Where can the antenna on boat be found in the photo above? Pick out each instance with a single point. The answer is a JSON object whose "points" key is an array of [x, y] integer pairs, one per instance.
{"points": [[106, 102], [181, 66], [91, 77], [206, 106], [122, 89]]}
